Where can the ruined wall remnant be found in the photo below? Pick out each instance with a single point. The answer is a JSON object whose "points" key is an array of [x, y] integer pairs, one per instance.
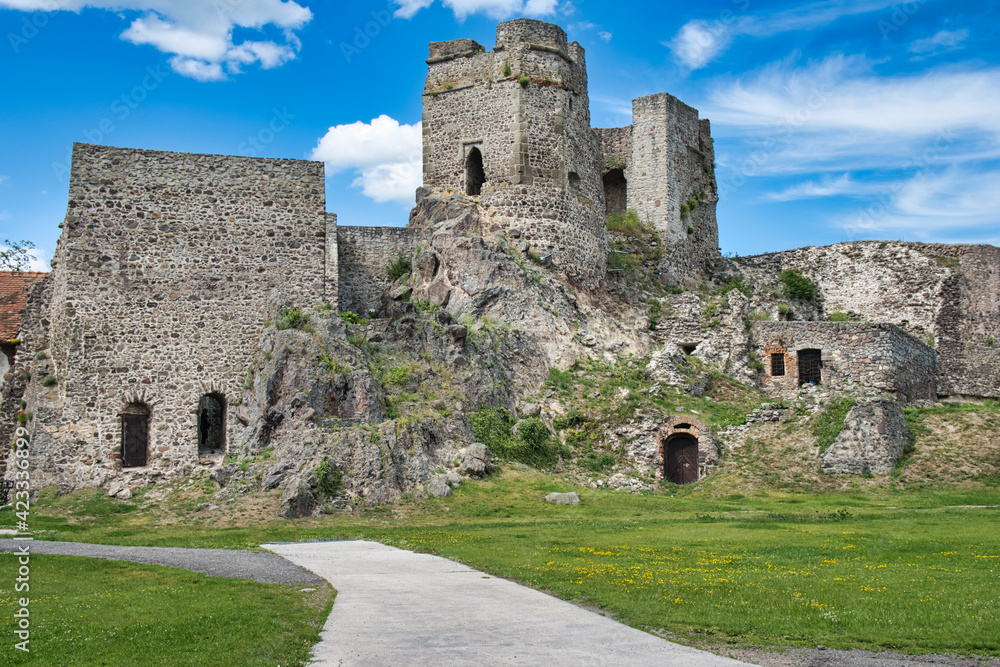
{"points": [[158, 292], [364, 256], [855, 356], [871, 442], [946, 295]]}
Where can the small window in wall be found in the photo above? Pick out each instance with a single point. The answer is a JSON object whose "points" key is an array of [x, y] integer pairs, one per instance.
{"points": [[135, 435], [616, 191], [574, 180], [689, 349], [212, 423], [777, 364], [475, 175], [810, 366]]}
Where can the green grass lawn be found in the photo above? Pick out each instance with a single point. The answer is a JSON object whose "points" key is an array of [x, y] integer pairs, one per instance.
{"points": [[87, 611], [915, 571]]}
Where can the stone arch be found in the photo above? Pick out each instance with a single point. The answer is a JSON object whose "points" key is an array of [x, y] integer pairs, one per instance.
{"points": [[134, 419], [212, 423], [475, 173], [616, 191], [680, 432]]}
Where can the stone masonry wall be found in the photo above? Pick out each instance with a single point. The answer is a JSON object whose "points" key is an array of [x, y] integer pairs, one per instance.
{"points": [[857, 357], [364, 257], [160, 286], [947, 294]]}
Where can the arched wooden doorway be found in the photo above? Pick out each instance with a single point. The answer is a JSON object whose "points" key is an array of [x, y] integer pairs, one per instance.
{"points": [[475, 174], [680, 458]]}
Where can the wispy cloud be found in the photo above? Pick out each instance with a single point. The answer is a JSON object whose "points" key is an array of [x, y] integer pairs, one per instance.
{"points": [[385, 154], [826, 186], [946, 40], [496, 9], [199, 35], [700, 41], [605, 36]]}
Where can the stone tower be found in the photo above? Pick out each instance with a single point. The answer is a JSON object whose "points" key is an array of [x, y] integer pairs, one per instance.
{"points": [[512, 127]]}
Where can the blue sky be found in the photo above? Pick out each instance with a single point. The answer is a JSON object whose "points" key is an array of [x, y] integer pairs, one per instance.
{"points": [[833, 120]]}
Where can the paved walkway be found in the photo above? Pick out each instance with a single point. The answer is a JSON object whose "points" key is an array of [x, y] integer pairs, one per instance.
{"points": [[232, 564], [397, 607]]}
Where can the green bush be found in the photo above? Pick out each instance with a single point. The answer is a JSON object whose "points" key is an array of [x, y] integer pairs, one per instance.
{"points": [[328, 477], [506, 66], [49, 381], [690, 230], [291, 318], [524, 80], [534, 444], [685, 210], [839, 317], [797, 286], [352, 318], [626, 223], [395, 375], [401, 267], [784, 309], [40, 355]]}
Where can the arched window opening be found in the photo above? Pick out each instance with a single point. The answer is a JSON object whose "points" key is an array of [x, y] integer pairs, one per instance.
{"points": [[616, 191], [574, 180], [810, 366], [680, 458], [475, 175], [135, 435], [212, 424]]}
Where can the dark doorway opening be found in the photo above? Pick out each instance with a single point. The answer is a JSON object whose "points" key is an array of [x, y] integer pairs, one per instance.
{"points": [[810, 365], [616, 191], [680, 459], [135, 435], [211, 424], [475, 175]]}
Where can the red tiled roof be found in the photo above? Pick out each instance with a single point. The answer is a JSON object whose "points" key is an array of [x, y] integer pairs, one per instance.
{"points": [[13, 291]]}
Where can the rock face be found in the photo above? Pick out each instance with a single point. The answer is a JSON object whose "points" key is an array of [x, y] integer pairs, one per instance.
{"points": [[478, 460], [297, 500], [572, 498], [872, 440]]}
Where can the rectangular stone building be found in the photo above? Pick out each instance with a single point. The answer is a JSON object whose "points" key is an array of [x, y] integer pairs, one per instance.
{"points": [[847, 356]]}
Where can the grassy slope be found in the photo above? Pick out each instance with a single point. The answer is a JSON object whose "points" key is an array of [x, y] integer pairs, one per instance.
{"points": [[768, 550], [88, 611]]}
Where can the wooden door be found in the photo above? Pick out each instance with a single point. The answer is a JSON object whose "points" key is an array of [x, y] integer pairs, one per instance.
{"points": [[681, 459], [135, 435]]}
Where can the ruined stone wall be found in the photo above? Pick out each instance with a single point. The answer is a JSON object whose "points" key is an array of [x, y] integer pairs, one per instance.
{"points": [[159, 289], [525, 108], [364, 257], [616, 147], [857, 357], [945, 294], [672, 162]]}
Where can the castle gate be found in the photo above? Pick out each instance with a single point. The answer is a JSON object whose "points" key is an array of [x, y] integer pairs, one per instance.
{"points": [[680, 458]]}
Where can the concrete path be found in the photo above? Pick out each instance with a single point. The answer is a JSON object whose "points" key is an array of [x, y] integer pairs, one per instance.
{"points": [[232, 564], [397, 607]]}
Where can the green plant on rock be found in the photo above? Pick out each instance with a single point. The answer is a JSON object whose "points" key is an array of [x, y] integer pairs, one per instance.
{"points": [[626, 223], [292, 318], [506, 66], [839, 317], [524, 80], [828, 425], [797, 286], [685, 211], [352, 318], [784, 309], [328, 477], [533, 444], [400, 268], [41, 356], [49, 381], [655, 307]]}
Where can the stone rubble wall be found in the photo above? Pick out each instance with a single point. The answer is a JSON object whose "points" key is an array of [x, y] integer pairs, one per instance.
{"points": [[872, 440], [947, 294], [364, 257], [857, 357], [159, 288]]}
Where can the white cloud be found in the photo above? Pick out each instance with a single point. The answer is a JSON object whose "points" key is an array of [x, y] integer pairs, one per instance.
{"points": [[199, 35], [699, 41], [39, 260], [386, 154], [496, 9], [945, 40], [605, 36], [827, 186]]}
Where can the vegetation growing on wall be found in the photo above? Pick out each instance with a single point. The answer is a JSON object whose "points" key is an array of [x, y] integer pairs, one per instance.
{"points": [[797, 286]]}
